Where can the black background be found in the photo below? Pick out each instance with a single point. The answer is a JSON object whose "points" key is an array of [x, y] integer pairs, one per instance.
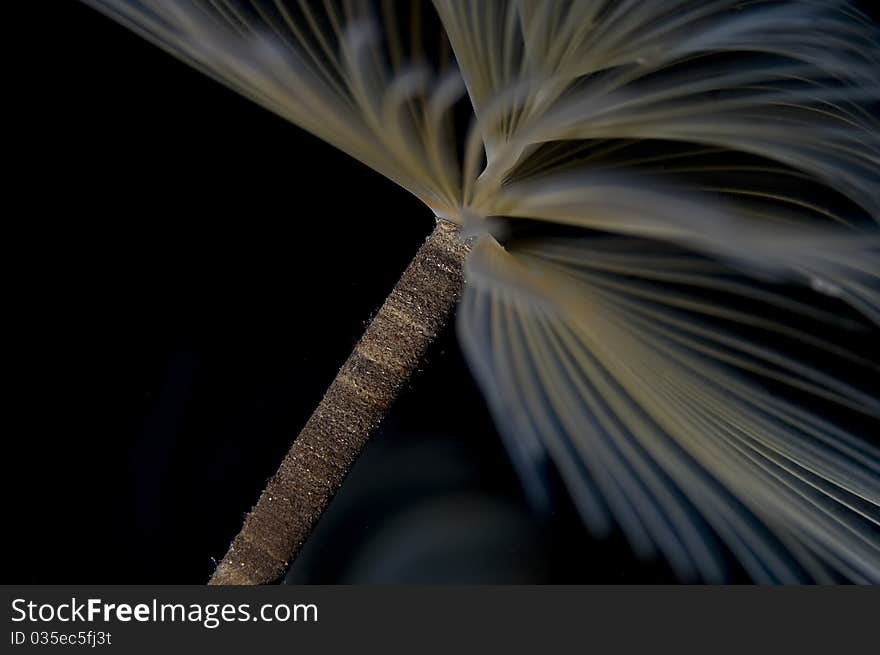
{"points": [[185, 273]]}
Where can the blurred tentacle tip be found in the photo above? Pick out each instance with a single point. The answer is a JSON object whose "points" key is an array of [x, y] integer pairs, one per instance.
{"points": [[361, 33]]}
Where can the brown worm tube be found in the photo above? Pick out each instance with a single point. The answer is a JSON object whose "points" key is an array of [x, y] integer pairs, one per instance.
{"points": [[358, 398]]}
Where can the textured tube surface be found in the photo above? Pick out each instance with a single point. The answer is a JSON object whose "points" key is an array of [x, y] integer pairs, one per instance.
{"points": [[357, 400]]}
